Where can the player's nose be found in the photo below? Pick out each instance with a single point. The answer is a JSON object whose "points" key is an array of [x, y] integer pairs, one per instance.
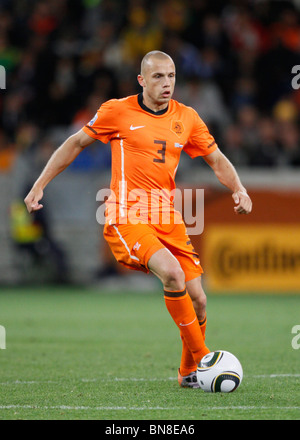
{"points": [[167, 82]]}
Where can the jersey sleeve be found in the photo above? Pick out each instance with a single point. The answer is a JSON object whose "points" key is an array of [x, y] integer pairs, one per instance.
{"points": [[103, 124], [200, 142]]}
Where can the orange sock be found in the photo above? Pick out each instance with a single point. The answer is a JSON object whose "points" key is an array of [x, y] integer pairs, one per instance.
{"points": [[187, 364], [180, 307]]}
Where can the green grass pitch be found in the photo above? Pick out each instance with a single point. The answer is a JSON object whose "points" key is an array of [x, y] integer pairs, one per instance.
{"points": [[87, 354]]}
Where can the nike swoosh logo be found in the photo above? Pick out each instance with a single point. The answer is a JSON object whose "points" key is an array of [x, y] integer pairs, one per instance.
{"points": [[184, 325], [136, 128]]}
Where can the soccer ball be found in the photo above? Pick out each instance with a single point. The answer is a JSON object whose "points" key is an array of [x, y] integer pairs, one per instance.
{"points": [[219, 372]]}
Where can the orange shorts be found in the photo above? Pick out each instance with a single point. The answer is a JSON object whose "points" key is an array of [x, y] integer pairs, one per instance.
{"points": [[133, 245]]}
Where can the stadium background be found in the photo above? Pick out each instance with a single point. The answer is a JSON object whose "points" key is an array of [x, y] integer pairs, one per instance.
{"points": [[234, 64]]}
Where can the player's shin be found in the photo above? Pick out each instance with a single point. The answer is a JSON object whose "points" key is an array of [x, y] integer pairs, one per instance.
{"points": [[180, 307], [187, 363]]}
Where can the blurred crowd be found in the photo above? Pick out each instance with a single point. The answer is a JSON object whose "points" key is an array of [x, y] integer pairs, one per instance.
{"points": [[63, 58]]}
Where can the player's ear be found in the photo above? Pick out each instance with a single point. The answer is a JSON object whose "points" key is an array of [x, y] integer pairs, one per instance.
{"points": [[141, 80]]}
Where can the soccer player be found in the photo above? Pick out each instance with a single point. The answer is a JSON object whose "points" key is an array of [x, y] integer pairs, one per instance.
{"points": [[147, 133]]}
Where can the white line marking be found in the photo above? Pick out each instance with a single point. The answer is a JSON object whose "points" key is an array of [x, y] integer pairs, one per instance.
{"points": [[272, 376], [113, 379], [28, 382], [133, 379], [143, 408]]}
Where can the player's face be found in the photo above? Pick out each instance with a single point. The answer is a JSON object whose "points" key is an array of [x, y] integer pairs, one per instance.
{"points": [[158, 82]]}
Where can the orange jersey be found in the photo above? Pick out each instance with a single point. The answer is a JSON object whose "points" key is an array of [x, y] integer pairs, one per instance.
{"points": [[146, 148]]}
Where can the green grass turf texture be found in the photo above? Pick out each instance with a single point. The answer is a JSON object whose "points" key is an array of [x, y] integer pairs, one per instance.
{"points": [[89, 354]]}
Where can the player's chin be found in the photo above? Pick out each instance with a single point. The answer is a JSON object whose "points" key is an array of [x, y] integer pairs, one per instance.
{"points": [[163, 102], [165, 97]]}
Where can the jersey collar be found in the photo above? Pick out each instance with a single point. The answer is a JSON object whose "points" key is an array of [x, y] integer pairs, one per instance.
{"points": [[147, 109]]}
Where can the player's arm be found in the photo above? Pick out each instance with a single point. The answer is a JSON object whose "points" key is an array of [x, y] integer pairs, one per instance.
{"points": [[59, 161], [227, 175]]}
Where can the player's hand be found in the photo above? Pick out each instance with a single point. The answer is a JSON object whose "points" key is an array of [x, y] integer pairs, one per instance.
{"points": [[242, 201], [33, 198]]}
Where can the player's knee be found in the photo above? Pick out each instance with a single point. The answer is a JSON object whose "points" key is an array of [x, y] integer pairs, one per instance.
{"points": [[174, 278]]}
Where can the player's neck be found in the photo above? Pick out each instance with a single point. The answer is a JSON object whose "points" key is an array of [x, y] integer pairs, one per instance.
{"points": [[152, 105], [148, 110]]}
